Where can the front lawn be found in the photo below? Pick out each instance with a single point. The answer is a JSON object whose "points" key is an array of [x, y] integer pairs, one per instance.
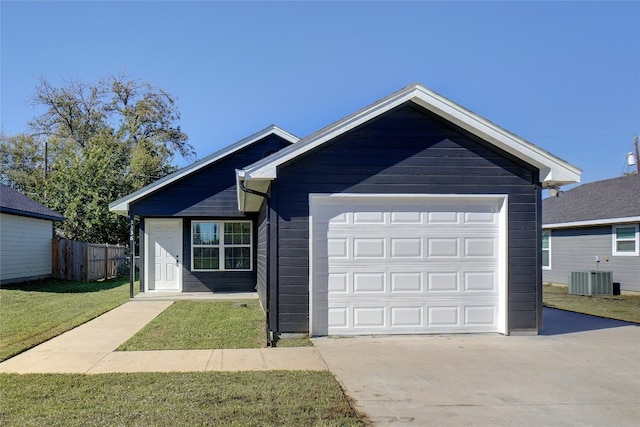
{"points": [[620, 307], [282, 398], [203, 325], [34, 312]]}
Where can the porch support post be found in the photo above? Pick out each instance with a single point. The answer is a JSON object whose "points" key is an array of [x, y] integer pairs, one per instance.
{"points": [[132, 258]]}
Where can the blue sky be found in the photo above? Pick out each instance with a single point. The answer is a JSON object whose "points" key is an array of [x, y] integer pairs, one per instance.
{"points": [[563, 75]]}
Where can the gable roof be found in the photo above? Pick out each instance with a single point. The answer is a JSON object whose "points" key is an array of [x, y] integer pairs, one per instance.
{"points": [[121, 206], [553, 170], [16, 203], [610, 201]]}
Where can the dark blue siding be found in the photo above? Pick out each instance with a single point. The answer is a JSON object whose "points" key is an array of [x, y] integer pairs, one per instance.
{"points": [[261, 258], [209, 194], [407, 150]]}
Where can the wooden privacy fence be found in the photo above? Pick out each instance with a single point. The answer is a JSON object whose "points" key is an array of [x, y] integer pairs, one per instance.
{"points": [[87, 262]]}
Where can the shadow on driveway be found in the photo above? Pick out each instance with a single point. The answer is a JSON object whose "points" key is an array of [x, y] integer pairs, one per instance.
{"points": [[558, 322]]}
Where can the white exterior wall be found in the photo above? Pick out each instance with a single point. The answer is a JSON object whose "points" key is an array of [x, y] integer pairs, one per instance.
{"points": [[25, 248]]}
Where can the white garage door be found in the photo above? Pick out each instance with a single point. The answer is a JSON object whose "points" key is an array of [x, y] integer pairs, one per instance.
{"points": [[407, 264]]}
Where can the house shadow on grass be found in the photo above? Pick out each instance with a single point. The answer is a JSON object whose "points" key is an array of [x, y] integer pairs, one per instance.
{"points": [[65, 286], [558, 322]]}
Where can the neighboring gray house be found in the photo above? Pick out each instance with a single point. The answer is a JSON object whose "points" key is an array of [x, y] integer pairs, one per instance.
{"points": [[26, 233], [594, 227], [412, 215]]}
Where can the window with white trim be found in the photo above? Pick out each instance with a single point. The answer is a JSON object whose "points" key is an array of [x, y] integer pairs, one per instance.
{"points": [[221, 245], [546, 249], [625, 240]]}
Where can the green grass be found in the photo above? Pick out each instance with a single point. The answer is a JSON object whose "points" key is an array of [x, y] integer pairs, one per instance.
{"points": [[293, 342], [194, 325], [620, 307], [34, 312], [282, 398]]}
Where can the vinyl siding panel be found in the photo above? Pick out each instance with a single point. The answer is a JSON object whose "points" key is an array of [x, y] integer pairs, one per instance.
{"points": [[576, 249], [210, 194], [261, 258], [25, 248], [408, 151]]}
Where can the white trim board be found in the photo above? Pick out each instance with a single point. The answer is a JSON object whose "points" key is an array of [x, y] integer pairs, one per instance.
{"points": [[121, 206], [553, 170], [592, 222]]}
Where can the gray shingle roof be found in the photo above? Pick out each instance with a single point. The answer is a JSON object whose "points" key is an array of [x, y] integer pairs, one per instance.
{"points": [[13, 202], [608, 199]]}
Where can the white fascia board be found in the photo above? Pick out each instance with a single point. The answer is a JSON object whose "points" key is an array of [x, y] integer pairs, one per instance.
{"points": [[267, 168], [121, 206], [592, 222], [553, 170]]}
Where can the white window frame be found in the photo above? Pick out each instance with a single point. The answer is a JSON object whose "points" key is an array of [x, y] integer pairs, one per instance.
{"points": [[222, 245], [546, 267], [615, 240]]}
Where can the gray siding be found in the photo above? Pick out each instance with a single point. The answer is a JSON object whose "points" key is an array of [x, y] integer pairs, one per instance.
{"points": [[575, 249], [25, 248], [407, 150]]}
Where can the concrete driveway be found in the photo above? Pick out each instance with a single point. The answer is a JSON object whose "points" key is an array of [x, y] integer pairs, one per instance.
{"points": [[580, 371]]}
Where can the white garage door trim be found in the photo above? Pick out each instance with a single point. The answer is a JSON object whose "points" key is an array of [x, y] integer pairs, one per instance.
{"points": [[416, 303]]}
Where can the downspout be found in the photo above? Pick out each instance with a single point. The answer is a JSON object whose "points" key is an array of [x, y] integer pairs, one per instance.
{"points": [[132, 258], [267, 200]]}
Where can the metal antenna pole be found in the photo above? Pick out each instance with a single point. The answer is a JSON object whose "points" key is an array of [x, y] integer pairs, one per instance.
{"points": [[635, 143]]}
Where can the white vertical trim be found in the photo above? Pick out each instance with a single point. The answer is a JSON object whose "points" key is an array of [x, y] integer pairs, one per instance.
{"points": [[503, 283]]}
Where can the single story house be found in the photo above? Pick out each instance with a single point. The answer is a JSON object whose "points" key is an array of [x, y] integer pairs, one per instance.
{"points": [[412, 215], [594, 227], [26, 233]]}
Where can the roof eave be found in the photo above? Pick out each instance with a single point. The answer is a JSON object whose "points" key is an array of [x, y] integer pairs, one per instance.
{"points": [[19, 212], [593, 222], [554, 171], [121, 206]]}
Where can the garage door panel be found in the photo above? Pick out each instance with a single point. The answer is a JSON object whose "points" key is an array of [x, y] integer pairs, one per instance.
{"points": [[480, 247], [444, 316], [408, 266], [411, 280], [411, 316], [374, 316], [480, 315], [369, 248], [406, 282], [406, 247], [369, 282]]}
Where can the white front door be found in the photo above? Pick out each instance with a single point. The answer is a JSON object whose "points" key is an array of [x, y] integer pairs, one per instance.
{"points": [[163, 255], [413, 264]]}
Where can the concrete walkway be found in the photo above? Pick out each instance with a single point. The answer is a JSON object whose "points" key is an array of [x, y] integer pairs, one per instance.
{"points": [[90, 349]]}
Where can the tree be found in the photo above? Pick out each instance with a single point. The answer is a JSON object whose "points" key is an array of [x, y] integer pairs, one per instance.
{"points": [[93, 144]]}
